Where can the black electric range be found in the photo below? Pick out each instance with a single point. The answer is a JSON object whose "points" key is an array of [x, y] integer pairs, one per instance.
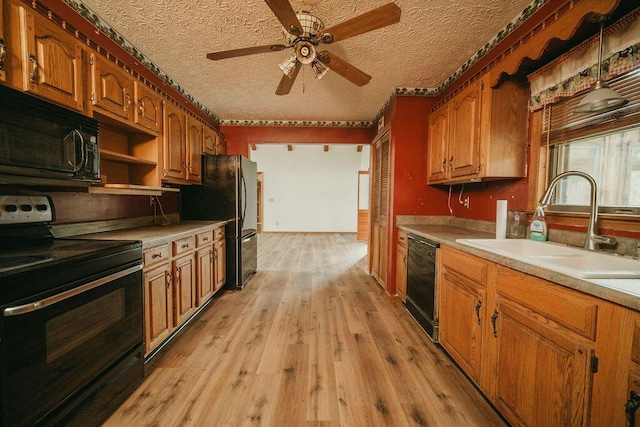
{"points": [[71, 320]]}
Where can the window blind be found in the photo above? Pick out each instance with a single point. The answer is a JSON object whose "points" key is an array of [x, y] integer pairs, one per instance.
{"points": [[560, 124]]}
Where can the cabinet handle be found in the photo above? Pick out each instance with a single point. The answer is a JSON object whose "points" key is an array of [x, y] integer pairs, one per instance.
{"points": [[155, 256], [33, 76], [128, 105], [494, 317], [177, 275], [478, 305], [140, 108], [184, 246], [631, 407], [170, 276], [3, 52], [451, 163]]}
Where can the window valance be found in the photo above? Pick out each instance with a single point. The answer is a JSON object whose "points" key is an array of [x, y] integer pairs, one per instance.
{"points": [[577, 69]]}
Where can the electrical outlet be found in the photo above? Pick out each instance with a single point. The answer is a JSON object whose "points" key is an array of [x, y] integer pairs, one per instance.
{"points": [[466, 202]]}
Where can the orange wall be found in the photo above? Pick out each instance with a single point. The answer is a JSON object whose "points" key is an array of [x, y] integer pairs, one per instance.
{"points": [[239, 138]]}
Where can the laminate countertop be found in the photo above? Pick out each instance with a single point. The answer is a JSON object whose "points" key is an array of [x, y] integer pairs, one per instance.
{"points": [[625, 292], [155, 235]]}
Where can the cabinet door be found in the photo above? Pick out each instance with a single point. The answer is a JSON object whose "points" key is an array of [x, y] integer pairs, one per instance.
{"points": [[174, 142], [401, 272], [208, 140], [205, 284], [438, 141], [220, 264], [51, 60], [111, 88], [464, 132], [461, 319], [148, 109], [184, 272], [158, 308], [194, 150], [3, 46], [221, 145], [543, 376]]}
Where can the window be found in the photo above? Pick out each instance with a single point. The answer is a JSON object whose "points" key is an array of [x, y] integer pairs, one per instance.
{"points": [[612, 159], [603, 145]]}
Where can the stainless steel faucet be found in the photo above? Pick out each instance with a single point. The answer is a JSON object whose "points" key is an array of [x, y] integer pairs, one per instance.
{"points": [[592, 240]]}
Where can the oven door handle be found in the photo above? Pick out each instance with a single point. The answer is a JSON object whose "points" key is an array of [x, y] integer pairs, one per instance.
{"points": [[39, 305]]}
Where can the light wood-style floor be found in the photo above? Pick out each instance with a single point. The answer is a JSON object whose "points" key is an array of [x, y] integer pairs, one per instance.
{"points": [[311, 340]]}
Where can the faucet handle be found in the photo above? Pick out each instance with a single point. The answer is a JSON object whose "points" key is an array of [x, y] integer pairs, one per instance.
{"points": [[605, 240]]}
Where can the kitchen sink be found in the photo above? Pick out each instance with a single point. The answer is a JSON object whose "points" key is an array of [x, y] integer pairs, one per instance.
{"points": [[569, 260]]}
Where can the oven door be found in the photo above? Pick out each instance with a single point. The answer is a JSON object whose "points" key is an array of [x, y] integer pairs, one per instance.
{"points": [[55, 345]]}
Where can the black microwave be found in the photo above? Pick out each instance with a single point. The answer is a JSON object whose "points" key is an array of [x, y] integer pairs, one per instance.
{"points": [[41, 141]]}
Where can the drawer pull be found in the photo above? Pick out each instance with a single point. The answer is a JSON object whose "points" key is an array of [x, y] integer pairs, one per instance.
{"points": [[155, 256], [206, 239], [184, 246]]}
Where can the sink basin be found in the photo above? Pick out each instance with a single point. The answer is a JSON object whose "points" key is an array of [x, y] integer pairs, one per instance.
{"points": [[569, 260]]}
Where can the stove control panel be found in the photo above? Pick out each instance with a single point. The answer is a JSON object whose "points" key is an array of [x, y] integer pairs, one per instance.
{"points": [[25, 209]]}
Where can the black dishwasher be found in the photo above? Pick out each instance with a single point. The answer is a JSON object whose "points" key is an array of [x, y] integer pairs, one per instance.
{"points": [[421, 283]]}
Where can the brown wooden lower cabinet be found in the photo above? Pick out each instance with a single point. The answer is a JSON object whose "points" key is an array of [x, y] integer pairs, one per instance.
{"points": [[401, 265], [543, 376], [179, 281], [158, 301], [543, 354]]}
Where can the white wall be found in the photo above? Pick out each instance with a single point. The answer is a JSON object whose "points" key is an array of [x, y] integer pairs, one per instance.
{"points": [[308, 189]]}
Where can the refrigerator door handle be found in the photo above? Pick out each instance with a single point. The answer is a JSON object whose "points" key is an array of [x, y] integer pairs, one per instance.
{"points": [[244, 199]]}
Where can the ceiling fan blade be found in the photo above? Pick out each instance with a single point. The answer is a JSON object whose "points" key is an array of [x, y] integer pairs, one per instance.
{"points": [[245, 51], [286, 15], [286, 83], [343, 68], [369, 21]]}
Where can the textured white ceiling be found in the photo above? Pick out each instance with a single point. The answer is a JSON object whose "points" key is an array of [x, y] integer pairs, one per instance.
{"points": [[433, 39]]}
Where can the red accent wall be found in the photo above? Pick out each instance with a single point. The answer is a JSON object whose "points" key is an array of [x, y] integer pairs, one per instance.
{"points": [[239, 138]]}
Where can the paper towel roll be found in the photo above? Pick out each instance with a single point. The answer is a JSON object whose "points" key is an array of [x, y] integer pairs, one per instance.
{"points": [[501, 219]]}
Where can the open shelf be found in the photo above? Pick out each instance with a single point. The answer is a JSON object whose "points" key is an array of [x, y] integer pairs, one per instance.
{"points": [[124, 158]]}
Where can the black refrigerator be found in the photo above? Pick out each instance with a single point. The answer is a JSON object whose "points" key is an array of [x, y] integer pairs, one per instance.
{"points": [[229, 192]]}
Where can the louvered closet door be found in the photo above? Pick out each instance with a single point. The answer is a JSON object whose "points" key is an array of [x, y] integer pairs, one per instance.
{"points": [[380, 210]]}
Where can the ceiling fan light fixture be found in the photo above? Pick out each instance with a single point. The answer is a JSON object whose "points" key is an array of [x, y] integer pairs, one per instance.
{"points": [[288, 66], [319, 69], [601, 97]]}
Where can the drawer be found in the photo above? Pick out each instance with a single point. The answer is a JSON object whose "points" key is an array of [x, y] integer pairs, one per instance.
{"points": [[402, 238], [184, 245], [204, 238], [155, 255], [218, 233], [571, 309], [464, 264]]}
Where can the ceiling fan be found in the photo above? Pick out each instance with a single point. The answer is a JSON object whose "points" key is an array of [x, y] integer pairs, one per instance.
{"points": [[304, 32]]}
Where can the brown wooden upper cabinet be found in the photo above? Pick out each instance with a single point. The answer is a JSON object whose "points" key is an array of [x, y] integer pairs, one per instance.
{"points": [[480, 134], [194, 150], [221, 145], [148, 108], [111, 88], [42, 58], [174, 136], [209, 138]]}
